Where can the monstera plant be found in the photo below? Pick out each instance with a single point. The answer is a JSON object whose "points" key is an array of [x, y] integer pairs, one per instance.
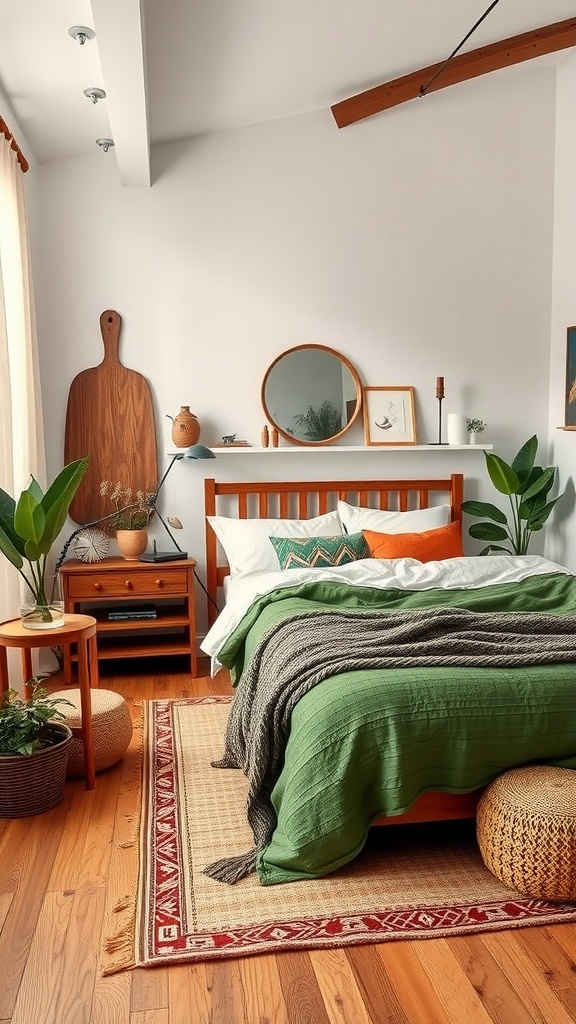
{"points": [[527, 488], [28, 529]]}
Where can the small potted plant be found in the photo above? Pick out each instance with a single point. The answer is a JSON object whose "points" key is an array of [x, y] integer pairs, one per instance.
{"points": [[28, 529], [475, 428], [133, 513], [34, 748]]}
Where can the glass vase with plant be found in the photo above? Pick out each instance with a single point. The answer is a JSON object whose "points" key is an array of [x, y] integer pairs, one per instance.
{"points": [[527, 487], [29, 527]]}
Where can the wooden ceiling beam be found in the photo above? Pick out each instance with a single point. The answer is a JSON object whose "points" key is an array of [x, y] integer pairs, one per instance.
{"points": [[502, 54]]}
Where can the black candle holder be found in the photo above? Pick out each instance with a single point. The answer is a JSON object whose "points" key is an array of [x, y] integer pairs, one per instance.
{"points": [[440, 397]]}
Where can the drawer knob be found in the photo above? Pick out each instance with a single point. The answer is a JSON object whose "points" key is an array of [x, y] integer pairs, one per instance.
{"points": [[129, 584], [159, 583], [97, 586]]}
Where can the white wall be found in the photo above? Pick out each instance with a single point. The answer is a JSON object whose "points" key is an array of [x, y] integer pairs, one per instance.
{"points": [[561, 541], [417, 243]]}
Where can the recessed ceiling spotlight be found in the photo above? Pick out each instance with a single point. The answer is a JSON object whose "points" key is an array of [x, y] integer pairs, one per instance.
{"points": [[95, 94], [105, 144], [81, 33]]}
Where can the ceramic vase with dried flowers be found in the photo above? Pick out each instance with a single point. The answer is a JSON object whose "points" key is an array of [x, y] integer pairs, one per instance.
{"points": [[133, 513]]}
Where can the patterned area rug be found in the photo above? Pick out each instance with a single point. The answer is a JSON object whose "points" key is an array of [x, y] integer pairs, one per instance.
{"points": [[411, 882]]}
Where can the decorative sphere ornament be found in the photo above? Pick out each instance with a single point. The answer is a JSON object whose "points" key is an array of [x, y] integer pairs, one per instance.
{"points": [[91, 545]]}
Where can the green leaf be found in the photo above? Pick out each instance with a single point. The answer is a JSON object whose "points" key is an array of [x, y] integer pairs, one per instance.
{"points": [[541, 514], [484, 508], [8, 548], [523, 462], [7, 506], [501, 474], [32, 551], [487, 531], [57, 500], [29, 518], [35, 489], [494, 547], [542, 484]]}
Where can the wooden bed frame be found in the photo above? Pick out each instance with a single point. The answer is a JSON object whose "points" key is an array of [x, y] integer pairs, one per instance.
{"points": [[302, 500], [297, 500]]}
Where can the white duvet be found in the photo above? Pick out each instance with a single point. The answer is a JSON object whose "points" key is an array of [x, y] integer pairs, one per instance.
{"points": [[397, 573]]}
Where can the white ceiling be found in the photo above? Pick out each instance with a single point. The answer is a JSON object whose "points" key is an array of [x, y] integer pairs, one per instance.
{"points": [[175, 68]]}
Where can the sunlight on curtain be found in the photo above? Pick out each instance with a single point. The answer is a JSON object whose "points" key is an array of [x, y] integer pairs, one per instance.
{"points": [[21, 429]]}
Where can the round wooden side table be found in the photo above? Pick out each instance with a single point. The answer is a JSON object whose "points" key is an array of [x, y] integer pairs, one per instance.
{"points": [[77, 629]]}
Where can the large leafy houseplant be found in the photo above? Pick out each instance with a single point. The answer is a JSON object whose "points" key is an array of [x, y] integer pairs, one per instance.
{"points": [[30, 525], [527, 487]]}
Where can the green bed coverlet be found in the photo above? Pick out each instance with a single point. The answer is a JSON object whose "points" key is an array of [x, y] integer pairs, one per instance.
{"points": [[368, 743]]}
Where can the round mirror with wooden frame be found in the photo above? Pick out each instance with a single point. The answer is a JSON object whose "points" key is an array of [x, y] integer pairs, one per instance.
{"points": [[311, 394]]}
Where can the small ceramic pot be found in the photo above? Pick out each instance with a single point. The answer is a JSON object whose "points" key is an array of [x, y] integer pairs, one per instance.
{"points": [[185, 428], [132, 543]]}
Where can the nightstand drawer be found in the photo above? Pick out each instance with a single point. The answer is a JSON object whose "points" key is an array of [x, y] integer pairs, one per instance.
{"points": [[127, 584]]}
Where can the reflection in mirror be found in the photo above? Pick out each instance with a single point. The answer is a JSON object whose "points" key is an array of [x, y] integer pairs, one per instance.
{"points": [[311, 394]]}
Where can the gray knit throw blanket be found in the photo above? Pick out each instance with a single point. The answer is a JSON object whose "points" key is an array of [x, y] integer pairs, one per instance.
{"points": [[300, 652]]}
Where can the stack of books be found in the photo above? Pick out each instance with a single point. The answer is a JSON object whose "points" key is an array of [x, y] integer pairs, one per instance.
{"points": [[232, 444], [129, 614]]}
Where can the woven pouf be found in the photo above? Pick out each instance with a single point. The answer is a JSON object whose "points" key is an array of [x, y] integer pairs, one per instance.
{"points": [[526, 829], [111, 722]]}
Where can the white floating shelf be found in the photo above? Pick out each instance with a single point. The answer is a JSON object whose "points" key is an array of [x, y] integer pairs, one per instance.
{"points": [[308, 449]]}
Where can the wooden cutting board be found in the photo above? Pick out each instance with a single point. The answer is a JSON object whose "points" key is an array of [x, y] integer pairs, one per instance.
{"points": [[110, 418]]}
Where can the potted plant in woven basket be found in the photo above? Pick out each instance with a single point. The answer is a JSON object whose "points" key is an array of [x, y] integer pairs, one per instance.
{"points": [[34, 748]]}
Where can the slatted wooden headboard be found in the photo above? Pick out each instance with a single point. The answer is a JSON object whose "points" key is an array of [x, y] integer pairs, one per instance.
{"points": [[297, 500]]}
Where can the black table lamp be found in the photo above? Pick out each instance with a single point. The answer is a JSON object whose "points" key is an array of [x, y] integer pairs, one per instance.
{"points": [[196, 451]]}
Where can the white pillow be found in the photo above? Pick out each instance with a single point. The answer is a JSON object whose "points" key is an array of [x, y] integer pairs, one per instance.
{"points": [[356, 518], [246, 542]]}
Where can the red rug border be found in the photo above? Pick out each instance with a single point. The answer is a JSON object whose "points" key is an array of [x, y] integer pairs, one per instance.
{"points": [[163, 929]]}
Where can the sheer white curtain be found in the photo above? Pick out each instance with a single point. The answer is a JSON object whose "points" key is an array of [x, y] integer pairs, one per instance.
{"points": [[21, 429]]}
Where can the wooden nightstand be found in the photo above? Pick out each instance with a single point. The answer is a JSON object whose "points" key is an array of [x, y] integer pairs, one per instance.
{"points": [[117, 587]]}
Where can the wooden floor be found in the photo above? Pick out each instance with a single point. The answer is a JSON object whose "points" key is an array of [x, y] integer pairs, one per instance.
{"points": [[54, 874]]}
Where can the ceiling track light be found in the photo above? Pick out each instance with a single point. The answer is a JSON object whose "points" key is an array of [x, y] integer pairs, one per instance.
{"points": [[81, 33], [95, 94], [105, 144]]}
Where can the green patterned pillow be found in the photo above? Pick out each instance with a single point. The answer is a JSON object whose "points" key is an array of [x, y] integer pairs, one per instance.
{"points": [[319, 552]]}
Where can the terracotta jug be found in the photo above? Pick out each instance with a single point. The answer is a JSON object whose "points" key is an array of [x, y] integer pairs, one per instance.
{"points": [[185, 428]]}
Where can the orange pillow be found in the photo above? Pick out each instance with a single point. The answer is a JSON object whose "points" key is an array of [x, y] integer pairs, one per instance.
{"points": [[445, 542]]}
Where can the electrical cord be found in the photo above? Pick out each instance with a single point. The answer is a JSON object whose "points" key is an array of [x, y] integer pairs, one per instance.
{"points": [[424, 88]]}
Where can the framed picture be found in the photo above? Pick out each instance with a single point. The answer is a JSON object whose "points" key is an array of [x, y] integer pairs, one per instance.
{"points": [[570, 406], [389, 415]]}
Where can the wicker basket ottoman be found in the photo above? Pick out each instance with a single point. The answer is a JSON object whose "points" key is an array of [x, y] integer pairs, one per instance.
{"points": [[112, 725], [526, 829]]}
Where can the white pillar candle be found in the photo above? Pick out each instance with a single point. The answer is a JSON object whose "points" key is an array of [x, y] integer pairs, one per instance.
{"points": [[456, 428]]}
